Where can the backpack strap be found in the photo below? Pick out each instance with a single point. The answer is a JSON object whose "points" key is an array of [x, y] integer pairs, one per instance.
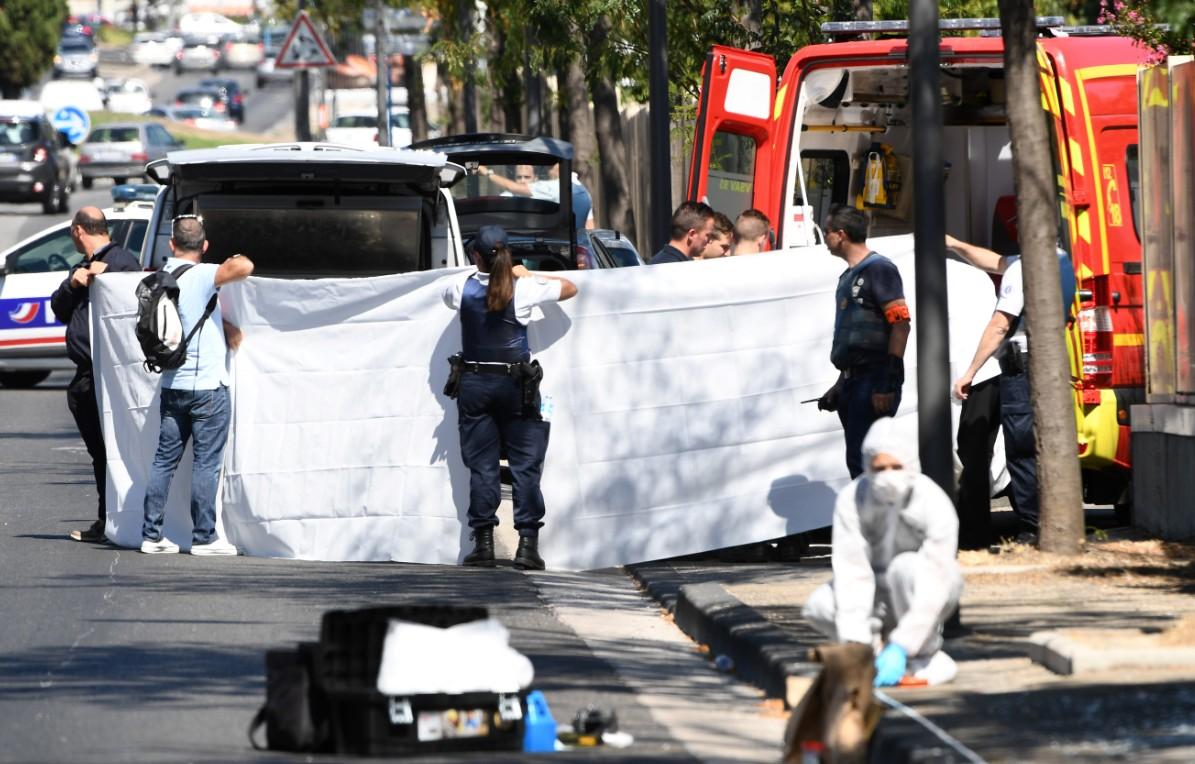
{"points": [[207, 312]]}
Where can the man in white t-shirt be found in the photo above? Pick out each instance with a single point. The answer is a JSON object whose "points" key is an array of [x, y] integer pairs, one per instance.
{"points": [[195, 402], [1004, 339]]}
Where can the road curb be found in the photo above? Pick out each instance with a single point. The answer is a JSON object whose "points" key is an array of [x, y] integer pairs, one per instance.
{"points": [[763, 655], [772, 659]]}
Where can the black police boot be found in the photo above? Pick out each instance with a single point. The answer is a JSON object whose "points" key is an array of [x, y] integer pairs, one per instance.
{"points": [[527, 555], [482, 555]]}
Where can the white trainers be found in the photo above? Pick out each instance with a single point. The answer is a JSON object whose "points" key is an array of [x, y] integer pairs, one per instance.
{"points": [[214, 548], [939, 668], [161, 546]]}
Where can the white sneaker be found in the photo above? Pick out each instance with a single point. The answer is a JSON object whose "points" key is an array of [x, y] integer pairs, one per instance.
{"points": [[161, 546], [939, 668], [214, 548]]}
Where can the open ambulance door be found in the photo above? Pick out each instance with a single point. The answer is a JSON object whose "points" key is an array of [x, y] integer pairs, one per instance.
{"points": [[732, 149]]}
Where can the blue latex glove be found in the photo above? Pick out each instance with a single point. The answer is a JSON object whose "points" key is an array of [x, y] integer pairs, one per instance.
{"points": [[890, 665]]}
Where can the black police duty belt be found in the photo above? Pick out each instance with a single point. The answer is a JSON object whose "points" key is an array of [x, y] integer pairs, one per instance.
{"points": [[501, 369]]}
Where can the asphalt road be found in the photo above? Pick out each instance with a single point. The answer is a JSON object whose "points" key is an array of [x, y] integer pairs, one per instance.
{"points": [[110, 655]]}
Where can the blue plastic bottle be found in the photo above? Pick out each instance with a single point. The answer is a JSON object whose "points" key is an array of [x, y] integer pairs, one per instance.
{"points": [[539, 728]]}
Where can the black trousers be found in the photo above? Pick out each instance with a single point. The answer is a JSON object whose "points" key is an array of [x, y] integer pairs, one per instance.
{"points": [[80, 399], [492, 416], [1020, 447], [979, 423]]}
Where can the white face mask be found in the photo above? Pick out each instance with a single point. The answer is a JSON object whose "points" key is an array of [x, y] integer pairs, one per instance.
{"points": [[891, 488]]}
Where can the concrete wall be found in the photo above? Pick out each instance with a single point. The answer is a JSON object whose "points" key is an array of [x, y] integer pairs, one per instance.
{"points": [[1163, 478]]}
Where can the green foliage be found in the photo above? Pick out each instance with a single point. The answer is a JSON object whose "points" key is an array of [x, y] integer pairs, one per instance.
{"points": [[115, 36], [29, 31]]}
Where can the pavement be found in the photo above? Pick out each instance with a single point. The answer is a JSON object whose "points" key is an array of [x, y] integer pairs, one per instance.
{"points": [[1003, 706]]}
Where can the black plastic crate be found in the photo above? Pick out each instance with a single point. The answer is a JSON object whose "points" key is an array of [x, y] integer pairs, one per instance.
{"points": [[351, 641], [367, 723]]}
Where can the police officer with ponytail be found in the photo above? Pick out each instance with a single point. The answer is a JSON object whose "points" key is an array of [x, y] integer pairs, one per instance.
{"points": [[496, 385], [871, 329]]}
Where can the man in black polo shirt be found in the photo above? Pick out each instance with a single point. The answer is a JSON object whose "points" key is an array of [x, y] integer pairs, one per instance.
{"points": [[871, 329], [71, 306], [692, 225]]}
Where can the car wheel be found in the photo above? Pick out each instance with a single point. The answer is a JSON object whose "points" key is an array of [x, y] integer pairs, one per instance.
{"points": [[22, 378], [88, 182], [119, 181]]}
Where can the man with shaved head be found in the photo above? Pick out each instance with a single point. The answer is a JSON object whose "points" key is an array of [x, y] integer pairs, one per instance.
{"points": [[70, 303]]}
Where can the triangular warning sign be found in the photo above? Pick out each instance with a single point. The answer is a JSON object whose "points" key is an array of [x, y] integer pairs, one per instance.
{"points": [[304, 48]]}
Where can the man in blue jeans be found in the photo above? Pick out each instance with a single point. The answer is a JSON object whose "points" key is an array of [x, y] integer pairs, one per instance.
{"points": [[195, 402], [871, 329]]}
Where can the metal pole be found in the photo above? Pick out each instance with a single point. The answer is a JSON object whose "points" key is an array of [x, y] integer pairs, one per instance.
{"points": [[382, 83], [303, 99], [929, 229], [659, 125]]}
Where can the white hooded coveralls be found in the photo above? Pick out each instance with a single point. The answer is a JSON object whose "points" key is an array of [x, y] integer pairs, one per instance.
{"points": [[894, 565]]}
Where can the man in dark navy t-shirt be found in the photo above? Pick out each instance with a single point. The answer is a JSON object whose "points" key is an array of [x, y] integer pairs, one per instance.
{"points": [[871, 329], [692, 225]]}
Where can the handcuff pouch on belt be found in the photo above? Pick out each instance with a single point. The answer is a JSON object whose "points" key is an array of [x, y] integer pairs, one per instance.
{"points": [[456, 366], [1012, 360], [531, 374]]}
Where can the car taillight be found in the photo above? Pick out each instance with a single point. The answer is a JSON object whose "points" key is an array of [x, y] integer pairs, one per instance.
{"points": [[139, 156], [584, 259], [238, 99], [1096, 325], [40, 154], [218, 106], [85, 159]]}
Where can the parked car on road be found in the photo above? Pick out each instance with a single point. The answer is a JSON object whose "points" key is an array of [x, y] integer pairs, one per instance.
{"points": [[232, 94], [243, 51], [312, 210], [82, 94], [121, 150], [541, 226], [32, 342], [272, 39], [32, 167], [353, 130], [197, 116], [129, 96], [208, 99], [76, 57], [155, 48], [199, 53]]}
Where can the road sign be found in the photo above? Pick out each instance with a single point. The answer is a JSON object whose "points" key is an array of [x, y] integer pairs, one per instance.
{"points": [[304, 48], [72, 121]]}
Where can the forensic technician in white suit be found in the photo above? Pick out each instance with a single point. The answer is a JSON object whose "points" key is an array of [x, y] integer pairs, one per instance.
{"points": [[896, 580]]}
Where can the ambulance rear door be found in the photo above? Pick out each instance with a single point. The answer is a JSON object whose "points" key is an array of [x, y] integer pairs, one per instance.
{"points": [[732, 146]]}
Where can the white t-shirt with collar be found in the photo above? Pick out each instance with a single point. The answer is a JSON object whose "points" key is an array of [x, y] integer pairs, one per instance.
{"points": [[529, 293]]}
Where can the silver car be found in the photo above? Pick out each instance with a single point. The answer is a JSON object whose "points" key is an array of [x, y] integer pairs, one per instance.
{"points": [[76, 57], [121, 150], [199, 53]]}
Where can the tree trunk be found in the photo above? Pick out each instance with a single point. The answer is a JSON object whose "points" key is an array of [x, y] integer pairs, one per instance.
{"points": [[751, 17], [861, 10], [381, 51], [465, 9], [616, 198], [1058, 479], [580, 123], [416, 100]]}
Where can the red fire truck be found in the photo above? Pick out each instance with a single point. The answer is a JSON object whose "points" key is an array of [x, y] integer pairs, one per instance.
{"points": [[836, 128]]}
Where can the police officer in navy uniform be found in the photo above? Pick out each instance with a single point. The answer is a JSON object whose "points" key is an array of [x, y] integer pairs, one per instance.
{"points": [[871, 329], [496, 408], [1004, 338]]}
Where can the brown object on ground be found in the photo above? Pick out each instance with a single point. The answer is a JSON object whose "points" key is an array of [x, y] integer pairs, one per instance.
{"points": [[839, 710]]}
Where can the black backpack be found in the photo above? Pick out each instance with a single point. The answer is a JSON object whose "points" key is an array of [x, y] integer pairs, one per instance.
{"points": [[159, 324]]}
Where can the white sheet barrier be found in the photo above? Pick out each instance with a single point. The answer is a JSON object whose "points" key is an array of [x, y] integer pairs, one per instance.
{"points": [[677, 420]]}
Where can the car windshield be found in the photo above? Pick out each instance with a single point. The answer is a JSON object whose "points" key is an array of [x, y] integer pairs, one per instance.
{"points": [[356, 120], [17, 133], [114, 135], [75, 47], [197, 97], [535, 182]]}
